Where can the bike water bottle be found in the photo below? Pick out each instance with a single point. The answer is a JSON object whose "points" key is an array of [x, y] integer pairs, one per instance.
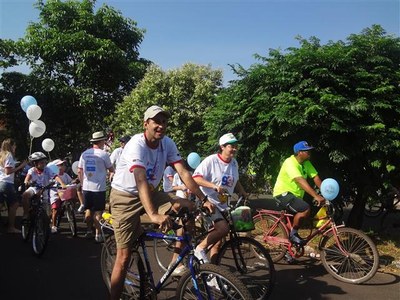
{"points": [[320, 217]]}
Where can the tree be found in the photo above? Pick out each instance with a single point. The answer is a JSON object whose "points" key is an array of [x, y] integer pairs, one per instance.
{"points": [[187, 92], [342, 97], [82, 63]]}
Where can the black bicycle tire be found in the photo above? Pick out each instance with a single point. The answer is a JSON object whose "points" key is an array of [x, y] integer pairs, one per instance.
{"points": [[70, 214], [212, 270], [42, 225], [277, 252], [26, 229], [328, 248], [108, 249], [264, 289], [107, 260]]}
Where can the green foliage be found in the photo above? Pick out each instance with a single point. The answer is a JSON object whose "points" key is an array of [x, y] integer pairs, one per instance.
{"points": [[342, 97], [82, 64], [187, 92]]}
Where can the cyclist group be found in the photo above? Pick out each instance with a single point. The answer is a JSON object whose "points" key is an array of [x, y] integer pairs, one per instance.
{"points": [[138, 172]]}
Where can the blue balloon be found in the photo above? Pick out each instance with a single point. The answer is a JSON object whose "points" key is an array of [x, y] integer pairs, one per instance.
{"points": [[27, 101], [329, 189], [193, 160]]}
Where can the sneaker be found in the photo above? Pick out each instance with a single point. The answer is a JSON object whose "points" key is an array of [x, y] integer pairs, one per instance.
{"points": [[295, 238], [99, 238], [54, 229], [81, 209], [213, 283], [201, 255], [179, 271]]}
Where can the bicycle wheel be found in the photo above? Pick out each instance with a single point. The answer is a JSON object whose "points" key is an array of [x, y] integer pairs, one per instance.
{"points": [[134, 288], [69, 211], [373, 208], [262, 226], [251, 263], [107, 259], [41, 233], [26, 229], [213, 282], [355, 260]]}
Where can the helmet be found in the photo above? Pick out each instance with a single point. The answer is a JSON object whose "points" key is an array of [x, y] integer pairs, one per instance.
{"points": [[36, 156]]}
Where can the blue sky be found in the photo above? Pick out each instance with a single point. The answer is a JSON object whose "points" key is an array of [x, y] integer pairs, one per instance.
{"points": [[223, 32]]}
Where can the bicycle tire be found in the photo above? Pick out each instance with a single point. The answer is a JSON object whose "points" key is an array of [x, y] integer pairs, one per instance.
{"points": [[227, 285], [70, 213], [26, 229], [256, 270], [40, 233], [373, 209], [136, 270], [361, 262], [262, 225]]}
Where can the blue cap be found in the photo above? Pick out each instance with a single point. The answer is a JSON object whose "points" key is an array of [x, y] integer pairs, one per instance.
{"points": [[302, 146]]}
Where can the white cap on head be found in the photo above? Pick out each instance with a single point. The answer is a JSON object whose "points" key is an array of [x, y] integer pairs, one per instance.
{"points": [[227, 138], [154, 110], [57, 162]]}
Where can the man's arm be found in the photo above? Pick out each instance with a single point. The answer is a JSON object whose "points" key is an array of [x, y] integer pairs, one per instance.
{"points": [[308, 189], [192, 185], [240, 190], [317, 181], [164, 221]]}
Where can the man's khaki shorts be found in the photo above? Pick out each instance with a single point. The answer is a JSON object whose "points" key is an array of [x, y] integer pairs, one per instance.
{"points": [[126, 210]]}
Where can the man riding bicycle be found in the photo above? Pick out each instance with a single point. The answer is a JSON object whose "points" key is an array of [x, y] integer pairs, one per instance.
{"points": [[292, 184]]}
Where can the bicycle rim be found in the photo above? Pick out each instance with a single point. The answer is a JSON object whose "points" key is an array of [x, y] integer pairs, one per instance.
{"points": [[163, 258], [251, 263], [71, 219], [214, 282], [25, 231], [262, 226], [41, 232], [107, 259], [360, 261]]}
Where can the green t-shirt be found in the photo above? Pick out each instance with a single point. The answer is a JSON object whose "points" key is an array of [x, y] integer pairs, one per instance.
{"points": [[289, 171]]}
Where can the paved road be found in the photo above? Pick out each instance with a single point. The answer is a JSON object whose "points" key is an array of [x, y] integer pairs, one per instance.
{"points": [[70, 270]]}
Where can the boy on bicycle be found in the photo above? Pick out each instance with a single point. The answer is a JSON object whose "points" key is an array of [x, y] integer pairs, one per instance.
{"points": [[291, 185]]}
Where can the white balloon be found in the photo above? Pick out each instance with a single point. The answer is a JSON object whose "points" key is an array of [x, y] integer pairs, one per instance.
{"points": [[34, 112], [37, 128], [48, 145], [75, 167]]}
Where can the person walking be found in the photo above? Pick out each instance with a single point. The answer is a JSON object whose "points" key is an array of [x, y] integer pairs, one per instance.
{"points": [[116, 154], [92, 173], [8, 193]]}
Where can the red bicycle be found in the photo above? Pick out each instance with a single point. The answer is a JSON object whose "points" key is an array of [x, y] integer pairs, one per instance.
{"points": [[347, 254]]}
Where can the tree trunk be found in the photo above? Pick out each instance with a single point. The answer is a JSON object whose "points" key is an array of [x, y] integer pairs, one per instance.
{"points": [[356, 216]]}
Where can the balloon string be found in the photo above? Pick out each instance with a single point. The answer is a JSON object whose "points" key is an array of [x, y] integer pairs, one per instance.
{"points": [[49, 155], [30, 147]]}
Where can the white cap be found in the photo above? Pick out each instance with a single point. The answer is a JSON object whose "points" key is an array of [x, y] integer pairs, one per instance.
{"points": [[154, 110], [227, 138], [57, 162]]}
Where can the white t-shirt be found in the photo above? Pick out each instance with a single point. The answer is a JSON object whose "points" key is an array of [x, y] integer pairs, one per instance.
{"points": [[41, 178], [225, 174], [9, 162], [94, 163], [115, 155], [53, 191], [137, 154], [178, 182], [169, 173]]}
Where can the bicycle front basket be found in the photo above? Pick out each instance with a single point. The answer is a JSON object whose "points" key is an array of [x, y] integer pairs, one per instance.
{"points": [[242, 219]]}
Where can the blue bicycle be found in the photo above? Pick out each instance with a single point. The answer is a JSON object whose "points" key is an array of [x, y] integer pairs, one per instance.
{"points": [[200, 281]]}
